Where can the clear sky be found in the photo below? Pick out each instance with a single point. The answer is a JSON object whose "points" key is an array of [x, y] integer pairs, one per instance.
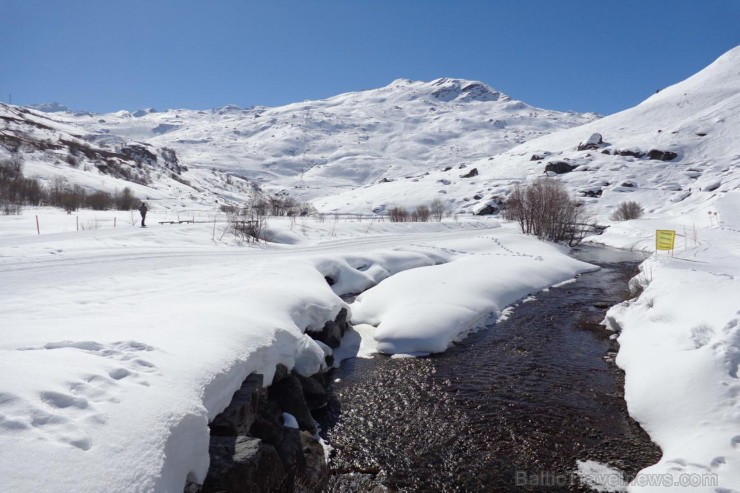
{"points": [[105, 55]]}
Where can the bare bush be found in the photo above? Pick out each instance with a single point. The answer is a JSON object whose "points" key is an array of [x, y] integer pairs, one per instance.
{"points": [[627, 210], [398, 214], [437, 210], [125, 201], [422, 213], [545, 209]]}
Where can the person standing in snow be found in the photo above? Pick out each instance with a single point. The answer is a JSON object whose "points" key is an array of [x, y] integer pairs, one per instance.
{"points": [[143, 210]]}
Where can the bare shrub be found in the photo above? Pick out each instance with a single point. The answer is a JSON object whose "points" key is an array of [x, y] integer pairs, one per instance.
{"points": [[437, 210], [627, 210], [422, 213], [248, 228], [398, 214], [99, 201], [125, 201], [545, 209]]}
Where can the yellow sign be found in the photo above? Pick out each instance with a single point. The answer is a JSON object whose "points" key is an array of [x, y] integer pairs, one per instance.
{"points": [[664, 239]]}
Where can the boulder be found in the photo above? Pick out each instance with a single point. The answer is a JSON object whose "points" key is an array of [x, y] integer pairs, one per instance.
{"points": [[268, 425], [473, 172], [559, 167], [661, 155], [342, 320], [288, 395], [281, 371], [238, 417], [330, 334], [633, 152], [290, 451], [486, 210], [243, 465], [314, 391], [593, 142], [316, 473]]}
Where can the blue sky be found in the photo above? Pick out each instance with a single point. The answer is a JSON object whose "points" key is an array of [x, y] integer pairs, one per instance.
{"points": [[103, 55]]}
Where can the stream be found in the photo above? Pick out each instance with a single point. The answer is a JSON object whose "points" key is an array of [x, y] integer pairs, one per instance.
{"points": [[510, 408]]}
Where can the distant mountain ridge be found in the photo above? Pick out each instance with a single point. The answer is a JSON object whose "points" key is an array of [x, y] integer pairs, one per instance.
{"points": [[313, 149]]}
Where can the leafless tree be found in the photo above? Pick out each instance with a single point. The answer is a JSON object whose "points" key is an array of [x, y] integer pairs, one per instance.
{"points": [[422, 213], [398, 214], [437, 210], [545, 209]]}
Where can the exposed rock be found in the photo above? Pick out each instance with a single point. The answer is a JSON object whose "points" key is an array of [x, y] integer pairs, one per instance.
{"points": [[243, 465], [288, 395], [342, 320], [330, 334], [330, 280], [385, 180], [290, 451], [269, 423], [473, 172], [281, 371], [139, 153], [536, 157], [314, 391], [629, 184], [477, 196], [593, 142], [486, 211], [238, 417], [559, 167], [662, 155], [316, 473], [633, 152]]}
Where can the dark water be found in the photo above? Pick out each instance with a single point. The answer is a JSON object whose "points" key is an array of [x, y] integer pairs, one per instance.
{"points": [[511, 408]]}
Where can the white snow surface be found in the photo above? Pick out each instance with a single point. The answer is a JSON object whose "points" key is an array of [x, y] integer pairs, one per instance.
{"points": [[120, 344]]}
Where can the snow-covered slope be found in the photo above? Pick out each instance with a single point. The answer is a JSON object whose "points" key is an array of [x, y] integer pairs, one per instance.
{"points": [[52, 149], [318, 148], [697, 119]]}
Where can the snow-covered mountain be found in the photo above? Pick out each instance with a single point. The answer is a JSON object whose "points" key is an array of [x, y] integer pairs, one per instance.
{"points": [[315, 149], [677, 150]]}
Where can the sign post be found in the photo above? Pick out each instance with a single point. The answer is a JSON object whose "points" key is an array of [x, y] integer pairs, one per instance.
{"points": [[664, 240]]}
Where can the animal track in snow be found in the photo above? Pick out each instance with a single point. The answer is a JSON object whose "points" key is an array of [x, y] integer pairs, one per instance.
{"points": [[63, 416]]}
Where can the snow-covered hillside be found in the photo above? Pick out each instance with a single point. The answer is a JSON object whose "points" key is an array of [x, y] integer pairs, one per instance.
{"points": [[697, 119], [315, 149], [52, 150]]}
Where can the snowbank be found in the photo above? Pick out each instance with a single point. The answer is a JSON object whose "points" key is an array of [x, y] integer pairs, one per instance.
{"points": [[424, 310]]}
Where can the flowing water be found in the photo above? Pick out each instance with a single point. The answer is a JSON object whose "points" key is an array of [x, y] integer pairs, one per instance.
{"points": [[511, 408]]}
